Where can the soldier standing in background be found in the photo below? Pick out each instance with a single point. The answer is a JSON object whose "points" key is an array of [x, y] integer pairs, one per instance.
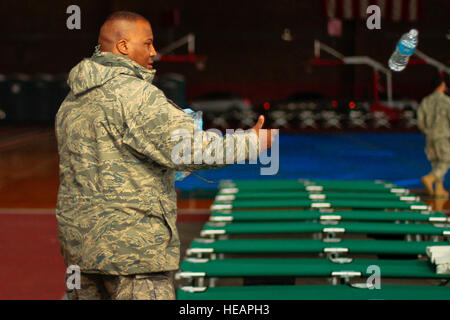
{"points": [[434, 121], [117, 207]]}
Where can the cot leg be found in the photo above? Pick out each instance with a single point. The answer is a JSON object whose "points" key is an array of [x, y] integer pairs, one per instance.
{"points": [[330, 236], [200, 282], [333, 255], [444, 282], [334, 281], [212, 282], [317, 236]]}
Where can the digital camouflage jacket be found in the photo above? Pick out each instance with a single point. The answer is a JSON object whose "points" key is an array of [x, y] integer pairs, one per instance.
{"points": [[433, 116], [116, 208]]}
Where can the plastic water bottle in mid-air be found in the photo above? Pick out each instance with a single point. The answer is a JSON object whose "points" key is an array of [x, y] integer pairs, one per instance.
{"points": [[405, 48]]}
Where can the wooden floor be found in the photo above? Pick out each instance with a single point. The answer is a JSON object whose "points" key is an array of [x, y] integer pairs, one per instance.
{"points": [[31, 265], [29, 169]]}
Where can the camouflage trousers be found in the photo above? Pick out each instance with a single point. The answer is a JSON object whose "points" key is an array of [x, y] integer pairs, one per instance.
{"points": [[438, 153], [152, 286]]}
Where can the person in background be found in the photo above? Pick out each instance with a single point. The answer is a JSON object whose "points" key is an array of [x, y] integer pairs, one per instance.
{"points": [[433, 118]]}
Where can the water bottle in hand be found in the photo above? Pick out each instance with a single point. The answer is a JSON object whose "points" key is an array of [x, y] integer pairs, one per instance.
{"points": [[198, 123], [405, 48]]}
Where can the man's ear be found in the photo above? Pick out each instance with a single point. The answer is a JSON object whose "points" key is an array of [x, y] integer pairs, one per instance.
{"points": [[122, 47]]}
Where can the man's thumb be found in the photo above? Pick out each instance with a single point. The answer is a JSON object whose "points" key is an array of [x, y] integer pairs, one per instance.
{"points": [[260, 122]]}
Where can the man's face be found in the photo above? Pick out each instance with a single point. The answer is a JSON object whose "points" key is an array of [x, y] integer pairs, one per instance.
{"points": [[140, 42]]}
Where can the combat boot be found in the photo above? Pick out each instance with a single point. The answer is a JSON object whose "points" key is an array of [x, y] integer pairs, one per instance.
{"points": [[440, 191], [428, 181]]}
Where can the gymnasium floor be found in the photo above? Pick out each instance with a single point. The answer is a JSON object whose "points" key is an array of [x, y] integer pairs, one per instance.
{"points": [[397, 157], [31, 266]]}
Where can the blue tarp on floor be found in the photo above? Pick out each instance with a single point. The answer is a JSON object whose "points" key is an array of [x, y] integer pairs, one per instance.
{"points": [[397, 157]]}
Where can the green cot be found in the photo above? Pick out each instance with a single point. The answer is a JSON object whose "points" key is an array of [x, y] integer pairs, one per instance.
{"points": [[307, 203], [291, 246], [334, 215], [315, 292], [295, 227]]}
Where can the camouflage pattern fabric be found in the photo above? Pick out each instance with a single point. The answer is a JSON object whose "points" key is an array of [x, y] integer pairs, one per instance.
{"points": [[434, 121], [116, 207], [438, 153], [433, 116], [156, 286]]}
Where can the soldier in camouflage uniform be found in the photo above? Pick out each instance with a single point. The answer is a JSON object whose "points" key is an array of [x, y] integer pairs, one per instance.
{"points": [[433, 120], [116, 208]]}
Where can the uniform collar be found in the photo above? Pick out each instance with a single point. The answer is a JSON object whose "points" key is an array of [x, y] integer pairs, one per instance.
{"points": [[118, 60]]}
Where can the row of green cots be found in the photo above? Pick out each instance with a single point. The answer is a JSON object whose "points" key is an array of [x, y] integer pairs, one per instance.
{"points": [[330, 209]]}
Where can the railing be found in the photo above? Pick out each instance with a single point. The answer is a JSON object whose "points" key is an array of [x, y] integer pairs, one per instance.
{"points": [[364, 60]]}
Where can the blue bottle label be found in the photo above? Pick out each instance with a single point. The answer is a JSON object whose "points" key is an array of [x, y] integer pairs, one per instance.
{"points": [[404, 49], [180, 175]]}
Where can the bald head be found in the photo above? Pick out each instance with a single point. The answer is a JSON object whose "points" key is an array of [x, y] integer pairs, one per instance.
{"points": [[128, 34]]}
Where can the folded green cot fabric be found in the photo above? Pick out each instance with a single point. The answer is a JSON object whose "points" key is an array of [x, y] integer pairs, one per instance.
{"points": [[317, 292], [302, 267], [281, 246], [354, 215], [259, 195], [307, 203], [279, 182], [318, 185], [293, 227]]}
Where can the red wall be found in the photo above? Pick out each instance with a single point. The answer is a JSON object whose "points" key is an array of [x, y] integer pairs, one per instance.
{"points": [[242, 40]]}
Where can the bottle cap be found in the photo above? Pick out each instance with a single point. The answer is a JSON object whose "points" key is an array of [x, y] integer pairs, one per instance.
{"points": [[413, 32]]}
